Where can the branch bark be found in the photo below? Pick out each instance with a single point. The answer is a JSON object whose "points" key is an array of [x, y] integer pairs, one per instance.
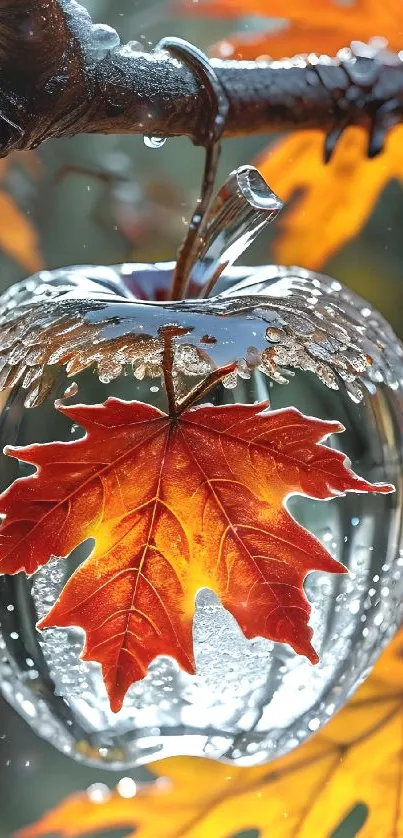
{"points": [[59, 77]]}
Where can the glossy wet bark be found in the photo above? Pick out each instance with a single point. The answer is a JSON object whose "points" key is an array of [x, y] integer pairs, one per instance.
{"points": [[58, 81]]}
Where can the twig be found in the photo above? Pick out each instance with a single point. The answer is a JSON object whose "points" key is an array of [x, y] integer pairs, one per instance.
{"points": [[54, 83]]}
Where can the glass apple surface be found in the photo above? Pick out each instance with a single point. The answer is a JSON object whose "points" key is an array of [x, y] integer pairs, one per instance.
{"points": [[272, 339]]}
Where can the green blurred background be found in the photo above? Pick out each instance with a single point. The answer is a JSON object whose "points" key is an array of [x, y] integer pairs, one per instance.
{"points": [[139, 214]]}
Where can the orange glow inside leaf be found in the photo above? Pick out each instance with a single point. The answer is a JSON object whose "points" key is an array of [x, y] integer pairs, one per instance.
{"points": [[175, 505]]}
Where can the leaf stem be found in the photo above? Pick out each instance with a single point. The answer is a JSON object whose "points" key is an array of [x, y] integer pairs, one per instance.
{"points": [[167, 334], [204, 387]]}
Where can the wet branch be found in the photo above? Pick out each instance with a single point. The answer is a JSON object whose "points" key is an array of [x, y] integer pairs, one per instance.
{"points": [[59, 78]]}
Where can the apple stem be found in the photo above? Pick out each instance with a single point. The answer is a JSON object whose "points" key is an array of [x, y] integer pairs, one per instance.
{"points": [[190, 248], [216, 121]]}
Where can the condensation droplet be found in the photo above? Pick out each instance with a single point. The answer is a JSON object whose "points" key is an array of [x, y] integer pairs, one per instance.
{"points": [[103, 37], [71, 391], [154, 142], [98, 792], [126, 787]]}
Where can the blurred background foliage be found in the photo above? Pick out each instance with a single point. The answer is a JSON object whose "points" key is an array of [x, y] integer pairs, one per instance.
{"points": [[97, 199], [344, 781]]}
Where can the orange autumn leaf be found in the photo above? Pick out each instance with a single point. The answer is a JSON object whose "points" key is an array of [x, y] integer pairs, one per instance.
{"points": [[175, 504], [311, 26], [337, 198], [333, 201], [355, 759], [18, 236]]}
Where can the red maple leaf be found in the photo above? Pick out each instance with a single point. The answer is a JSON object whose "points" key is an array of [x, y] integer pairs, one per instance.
{"points": [[175, 504]]}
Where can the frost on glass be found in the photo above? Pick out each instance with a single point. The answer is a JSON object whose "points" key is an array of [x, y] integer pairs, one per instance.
{"points": [[293, 320]]}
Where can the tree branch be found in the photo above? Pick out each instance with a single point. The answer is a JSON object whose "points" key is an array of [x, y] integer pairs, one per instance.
{"points": [[59, 77]]}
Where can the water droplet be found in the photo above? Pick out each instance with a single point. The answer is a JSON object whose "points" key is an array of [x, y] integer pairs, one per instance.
{"points": [[104, 37], [70, 391], [274, 334], [226, 49], [314, 724], [98, 792], [355, 522], [134, 46], [126, 787], [154, 142]]}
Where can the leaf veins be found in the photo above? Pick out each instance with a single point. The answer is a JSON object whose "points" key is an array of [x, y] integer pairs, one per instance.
{"points": [[175, 505]]}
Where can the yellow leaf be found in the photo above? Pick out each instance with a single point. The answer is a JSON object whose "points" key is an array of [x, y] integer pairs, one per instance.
{"points": [[18, 237], [357, 758], [332, 201], [310, 26]]}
